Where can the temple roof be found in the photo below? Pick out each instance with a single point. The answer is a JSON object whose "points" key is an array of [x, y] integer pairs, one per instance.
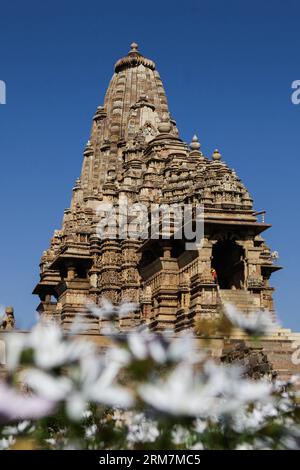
{"points": [[133, 59]]}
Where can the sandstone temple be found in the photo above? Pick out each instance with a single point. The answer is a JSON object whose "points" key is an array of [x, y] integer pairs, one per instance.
{"points": [[135, 152], [136, 159]]}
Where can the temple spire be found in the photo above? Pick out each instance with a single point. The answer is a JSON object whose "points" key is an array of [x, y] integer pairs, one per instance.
{"points": [[133, 47], [134, 107]]}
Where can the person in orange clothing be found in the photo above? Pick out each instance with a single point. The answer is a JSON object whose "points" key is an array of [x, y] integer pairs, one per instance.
{"points": [[214, 275]]}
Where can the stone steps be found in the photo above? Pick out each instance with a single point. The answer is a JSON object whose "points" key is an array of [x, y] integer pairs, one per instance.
{"points": [[241, 299]]}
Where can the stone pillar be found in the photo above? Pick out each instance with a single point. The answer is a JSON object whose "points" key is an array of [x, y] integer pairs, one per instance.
{"points": [[73, 296], [184, 302], [130, 281], [166, 294], [204, 296], [146, 305], [109, 282]]}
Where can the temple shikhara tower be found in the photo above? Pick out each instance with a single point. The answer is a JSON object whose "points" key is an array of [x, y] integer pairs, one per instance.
{"points": [[135, 153]]}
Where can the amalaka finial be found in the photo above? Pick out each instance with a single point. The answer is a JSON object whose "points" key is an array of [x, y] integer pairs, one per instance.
{"points": [[216, 156], [134, 47], [164, 127], [195, 144], [133, 59]]}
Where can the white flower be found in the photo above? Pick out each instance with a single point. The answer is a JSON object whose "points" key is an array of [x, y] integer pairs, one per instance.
{"points": [[51, 441], [90, 381], [18, 428], [109, 311], [50, 348], [180, 435], [76, 404], [96, 383], [126, 308], [46, 385], [176, 395], [7, 442], [184, 348], [14, 405], [72, 373], [290, 443], [90, 431], [78, 326], [244, 446], [87, 414], [200, 425], [141, 429], [15, 344], [144, 344], [86, 377], [117, 356], [234, 391], [218, 391], [197, 446], [253, 419], [254, 323], [106, 311]]}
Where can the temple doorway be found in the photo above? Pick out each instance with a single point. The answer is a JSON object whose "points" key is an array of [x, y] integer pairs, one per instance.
{"points": [[228, 259]]}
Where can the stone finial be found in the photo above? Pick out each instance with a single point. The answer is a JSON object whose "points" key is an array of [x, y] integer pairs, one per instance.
{"points": [[164, 127], [134, 47], [88, 149], [133, 59], [143, 97], [216, 156], [9, 310], [195, 144], [100, 113], [8, 322]]}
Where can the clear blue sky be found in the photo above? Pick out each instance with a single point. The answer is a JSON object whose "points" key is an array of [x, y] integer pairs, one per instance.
{"points": [[227, 67]]}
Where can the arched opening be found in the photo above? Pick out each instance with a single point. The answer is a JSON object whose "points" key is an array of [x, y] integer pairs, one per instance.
{"points": [[228, 261]]}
